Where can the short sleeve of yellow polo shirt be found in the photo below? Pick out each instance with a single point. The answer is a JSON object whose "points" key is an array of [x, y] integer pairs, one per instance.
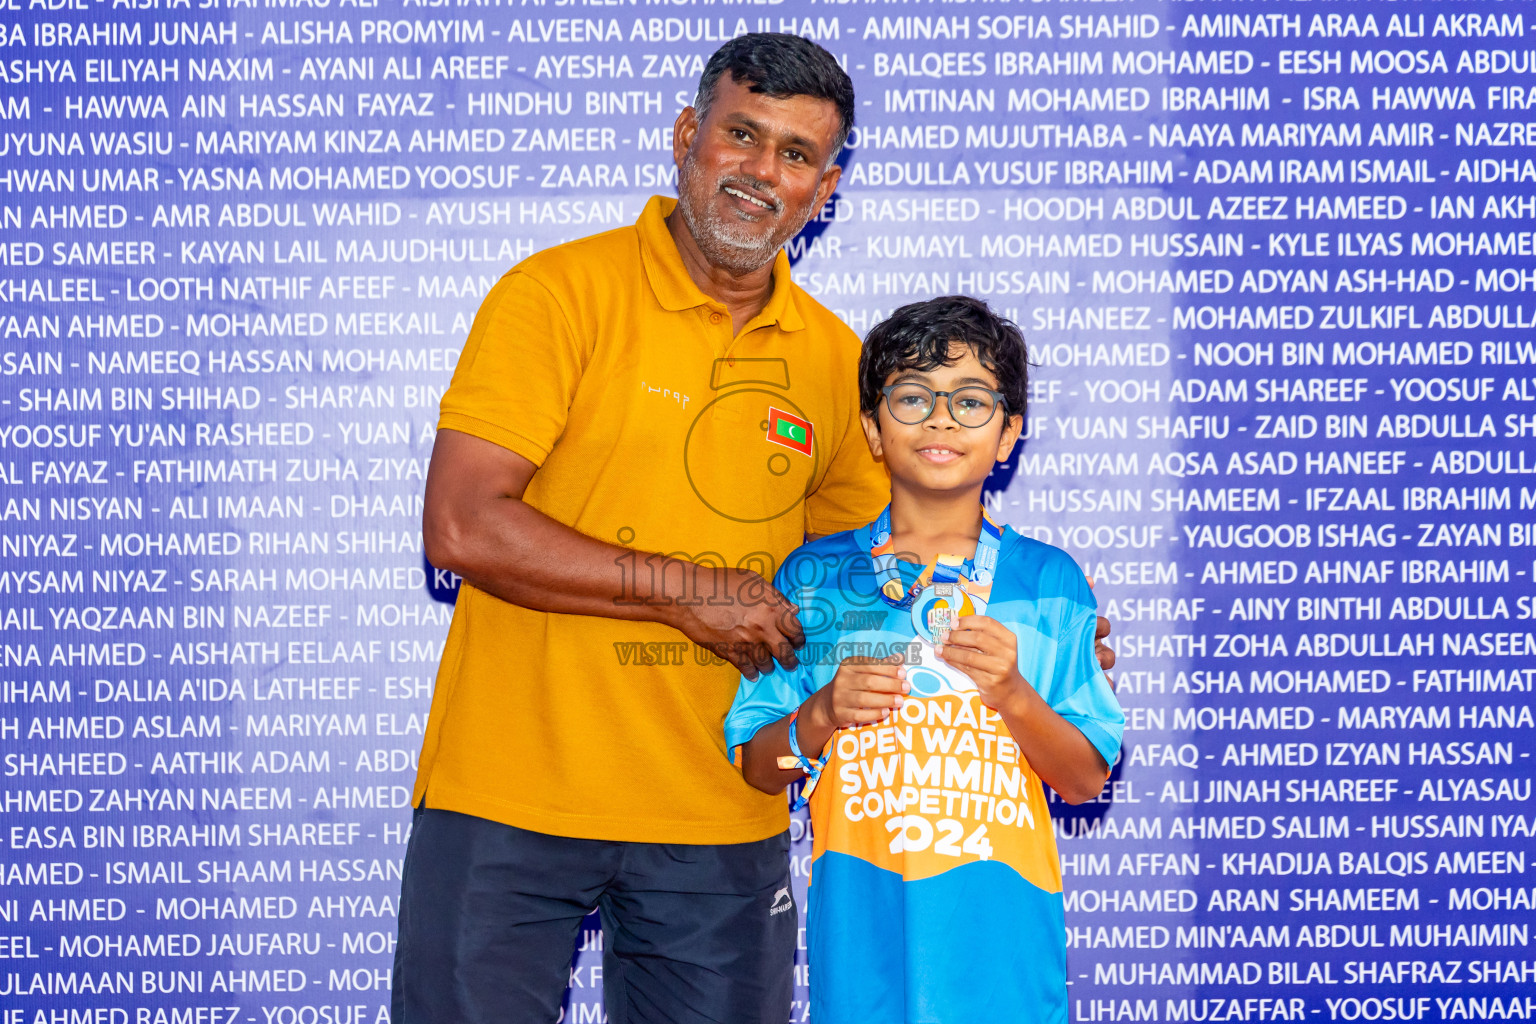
{"points": [[516, 390], [855, 489]]}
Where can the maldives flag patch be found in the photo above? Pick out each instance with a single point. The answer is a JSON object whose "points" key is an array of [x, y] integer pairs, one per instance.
{"points": [[789, 431]]}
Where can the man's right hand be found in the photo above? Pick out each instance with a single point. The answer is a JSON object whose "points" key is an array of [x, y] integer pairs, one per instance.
{"points": [[477, 525], [740, 617]]}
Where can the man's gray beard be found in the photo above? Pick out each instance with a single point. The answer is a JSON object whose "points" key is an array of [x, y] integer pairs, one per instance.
{"points": [[740, 254]]}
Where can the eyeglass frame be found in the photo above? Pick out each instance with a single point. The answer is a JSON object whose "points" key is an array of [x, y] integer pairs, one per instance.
{"points": [[948, 396]]}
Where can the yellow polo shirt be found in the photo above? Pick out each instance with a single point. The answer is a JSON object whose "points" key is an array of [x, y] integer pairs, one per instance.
{"points": [[653, 427]]}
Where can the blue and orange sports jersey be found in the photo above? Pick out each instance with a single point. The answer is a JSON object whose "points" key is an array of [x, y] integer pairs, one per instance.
{"points": [[935, 889]]}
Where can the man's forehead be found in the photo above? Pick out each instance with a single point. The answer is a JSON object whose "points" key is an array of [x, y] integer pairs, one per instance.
{"points": [[806, 120]]}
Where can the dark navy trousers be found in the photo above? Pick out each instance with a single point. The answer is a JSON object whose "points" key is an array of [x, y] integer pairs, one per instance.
{"points": [[489, 916]]}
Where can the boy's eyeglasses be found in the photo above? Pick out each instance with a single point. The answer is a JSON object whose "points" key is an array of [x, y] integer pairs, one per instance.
{"points": [[972, 406]]}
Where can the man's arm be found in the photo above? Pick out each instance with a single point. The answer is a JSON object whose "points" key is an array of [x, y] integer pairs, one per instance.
{"points": [[476, 524]]}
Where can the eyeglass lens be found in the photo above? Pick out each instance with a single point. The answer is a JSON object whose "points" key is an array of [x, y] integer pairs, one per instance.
{"points": [[914, 403]]}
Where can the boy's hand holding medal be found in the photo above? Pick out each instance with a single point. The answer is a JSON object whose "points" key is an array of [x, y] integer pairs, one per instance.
{"points": [[865, 690], [862, 692], [988, 652]]}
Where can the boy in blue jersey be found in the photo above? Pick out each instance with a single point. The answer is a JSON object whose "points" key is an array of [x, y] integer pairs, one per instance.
{"points": [[949, 670]]}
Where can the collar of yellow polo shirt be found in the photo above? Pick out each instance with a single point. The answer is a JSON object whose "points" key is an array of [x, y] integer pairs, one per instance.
{"points": [[676, 290]]}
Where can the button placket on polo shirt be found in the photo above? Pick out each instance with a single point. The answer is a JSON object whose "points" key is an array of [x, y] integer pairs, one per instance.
{"points": [[711, 318]]}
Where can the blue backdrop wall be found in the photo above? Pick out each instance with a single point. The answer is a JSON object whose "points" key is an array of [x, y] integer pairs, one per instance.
{"points": [[1274, 259]]}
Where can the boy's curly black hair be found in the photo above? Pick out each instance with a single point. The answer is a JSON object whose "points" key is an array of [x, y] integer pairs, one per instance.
{"points": [[918, 336]]}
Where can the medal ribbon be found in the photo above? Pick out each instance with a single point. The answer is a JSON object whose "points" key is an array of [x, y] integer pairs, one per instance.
{"points": [[973, 574]]}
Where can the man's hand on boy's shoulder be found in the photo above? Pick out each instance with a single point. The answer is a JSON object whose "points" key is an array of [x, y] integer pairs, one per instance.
{"points": [[988, 652], [1101, 650]]}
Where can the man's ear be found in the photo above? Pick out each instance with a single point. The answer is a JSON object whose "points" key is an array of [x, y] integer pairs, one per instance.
{"points": [[829, 179], [1011, 431], [684, 129], [871, 424]]}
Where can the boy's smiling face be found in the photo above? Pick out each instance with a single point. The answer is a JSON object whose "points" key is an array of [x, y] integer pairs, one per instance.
{"points": [[939, 455]]}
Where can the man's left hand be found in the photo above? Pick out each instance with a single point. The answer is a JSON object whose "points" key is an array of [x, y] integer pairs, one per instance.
{"points": [[1101, 650]]}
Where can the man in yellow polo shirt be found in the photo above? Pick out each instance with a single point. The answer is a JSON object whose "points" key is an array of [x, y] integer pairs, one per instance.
{"points": [[643, 424]]}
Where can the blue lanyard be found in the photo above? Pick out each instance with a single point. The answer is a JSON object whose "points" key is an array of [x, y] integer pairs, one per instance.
{"points": [[977, 569]]}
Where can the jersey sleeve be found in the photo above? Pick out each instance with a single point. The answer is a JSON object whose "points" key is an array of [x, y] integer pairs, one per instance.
{"points": [[1080, 691], [1092, 705], [772, 695], [519, 372]]}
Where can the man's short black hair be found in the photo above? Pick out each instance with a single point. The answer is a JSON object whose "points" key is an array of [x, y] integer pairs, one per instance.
{"points": [[781, 65], [918, 337]]}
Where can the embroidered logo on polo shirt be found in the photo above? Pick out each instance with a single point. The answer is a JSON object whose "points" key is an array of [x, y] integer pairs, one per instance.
{"points": [[789, 430], [728, 468]]}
